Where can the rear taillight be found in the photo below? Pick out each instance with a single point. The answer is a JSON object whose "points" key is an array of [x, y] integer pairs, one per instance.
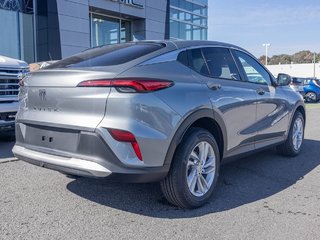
{"points": [[125, 136], [95, 83], [129, 85]]}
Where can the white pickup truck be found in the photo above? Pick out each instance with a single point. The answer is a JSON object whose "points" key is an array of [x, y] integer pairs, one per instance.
{"points": [[11, 72]]}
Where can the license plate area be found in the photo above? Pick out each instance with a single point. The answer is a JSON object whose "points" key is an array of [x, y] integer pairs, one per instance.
{"points": [[52, 138]]}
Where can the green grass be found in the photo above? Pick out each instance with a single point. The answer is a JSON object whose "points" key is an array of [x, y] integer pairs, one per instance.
{"points": [[312, 105]]}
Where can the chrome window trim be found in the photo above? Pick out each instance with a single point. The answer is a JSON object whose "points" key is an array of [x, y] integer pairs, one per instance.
{"points": [[173, 55]]}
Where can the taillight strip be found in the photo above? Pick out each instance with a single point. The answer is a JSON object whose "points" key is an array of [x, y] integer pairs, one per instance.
{"points": [[95, 83], [139, 85]]}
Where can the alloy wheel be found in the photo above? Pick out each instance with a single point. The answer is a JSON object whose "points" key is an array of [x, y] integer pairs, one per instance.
{"points": [[297, 133], [201, 168], [311, 97]]}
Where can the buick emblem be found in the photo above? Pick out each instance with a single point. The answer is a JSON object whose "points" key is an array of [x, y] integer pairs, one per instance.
{"points": [[42, 94]]}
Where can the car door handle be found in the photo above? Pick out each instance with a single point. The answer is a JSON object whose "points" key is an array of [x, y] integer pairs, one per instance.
{"points": [[213, 86], [260, 91]]}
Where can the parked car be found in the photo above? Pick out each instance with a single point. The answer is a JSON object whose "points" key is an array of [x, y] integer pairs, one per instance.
{"points": [[11, 72], [312, 90], [168, 111], [297, 84]]}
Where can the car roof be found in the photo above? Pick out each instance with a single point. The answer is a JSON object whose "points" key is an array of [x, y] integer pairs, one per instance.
{"points": [[180, 44], [190, 43]]}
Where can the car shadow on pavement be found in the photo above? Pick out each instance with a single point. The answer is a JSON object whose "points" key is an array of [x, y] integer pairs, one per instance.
{"points": [[6, 145], [241, 182]]}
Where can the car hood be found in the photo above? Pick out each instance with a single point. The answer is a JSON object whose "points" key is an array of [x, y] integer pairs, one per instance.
{"points": [[6, 62]]}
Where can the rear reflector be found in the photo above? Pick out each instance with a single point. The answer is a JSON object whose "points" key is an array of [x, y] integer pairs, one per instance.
{"points": [[137, 85], [136, 149], [125, 136]]}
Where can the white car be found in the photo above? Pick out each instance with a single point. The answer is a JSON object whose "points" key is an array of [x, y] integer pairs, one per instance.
{"points": [[297, 85], [11, 72]]}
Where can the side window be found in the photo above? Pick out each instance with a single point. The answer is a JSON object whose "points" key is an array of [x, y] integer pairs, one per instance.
{"points": [[221, 63], [183, 58], [197, 62], [254, 71]]}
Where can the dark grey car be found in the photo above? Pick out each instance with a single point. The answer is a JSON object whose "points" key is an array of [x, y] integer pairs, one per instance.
{"points": [[167, 111]]}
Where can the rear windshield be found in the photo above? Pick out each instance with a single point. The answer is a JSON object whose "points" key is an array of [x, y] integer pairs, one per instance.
{"points": [[107, 55]]}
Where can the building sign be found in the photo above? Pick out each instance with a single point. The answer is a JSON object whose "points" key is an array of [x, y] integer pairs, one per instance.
{"points": [[131, 3]]}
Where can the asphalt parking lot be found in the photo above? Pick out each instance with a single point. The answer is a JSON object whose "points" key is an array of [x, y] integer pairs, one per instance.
{"points": [[264, 196]]}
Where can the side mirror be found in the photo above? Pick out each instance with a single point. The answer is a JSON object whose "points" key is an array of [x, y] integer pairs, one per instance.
{"points": [[283, 79]]}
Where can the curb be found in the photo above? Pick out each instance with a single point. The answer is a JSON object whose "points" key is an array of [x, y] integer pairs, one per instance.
{"points": [[5, 160]]}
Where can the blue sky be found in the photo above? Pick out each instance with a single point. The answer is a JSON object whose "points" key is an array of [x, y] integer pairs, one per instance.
{"points": [[289, 25]]}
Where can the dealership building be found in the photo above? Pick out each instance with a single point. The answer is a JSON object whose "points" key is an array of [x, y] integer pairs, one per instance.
{"points": [[41, 30]]}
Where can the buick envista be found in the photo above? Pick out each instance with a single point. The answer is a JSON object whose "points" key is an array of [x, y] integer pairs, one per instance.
{"points": [[156, 111]]}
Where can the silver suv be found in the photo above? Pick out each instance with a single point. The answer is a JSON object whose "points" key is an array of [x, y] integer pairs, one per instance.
{"points": [[11, 71], [168, 111]]}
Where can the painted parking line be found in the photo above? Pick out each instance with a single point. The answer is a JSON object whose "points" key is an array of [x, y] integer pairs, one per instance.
{"points": [[5, 160]]}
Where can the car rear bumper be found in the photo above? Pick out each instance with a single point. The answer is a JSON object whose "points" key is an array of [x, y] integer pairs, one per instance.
{"points": [[66, 164], [91, 158], [86, 168]]}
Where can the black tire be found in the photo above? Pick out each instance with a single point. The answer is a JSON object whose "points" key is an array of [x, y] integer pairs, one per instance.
{"points": [[287, 148], [174, 186]]}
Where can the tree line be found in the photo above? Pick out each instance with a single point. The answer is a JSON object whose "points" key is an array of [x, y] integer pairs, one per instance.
{"points": [[304, 56]]}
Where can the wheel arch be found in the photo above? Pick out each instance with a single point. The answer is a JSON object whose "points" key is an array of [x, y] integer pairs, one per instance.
{"points": [[203, 118], [302, 110], [298, 108]]}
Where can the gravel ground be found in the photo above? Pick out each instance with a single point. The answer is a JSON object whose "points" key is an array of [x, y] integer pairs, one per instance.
{"points": [[264, 196]]}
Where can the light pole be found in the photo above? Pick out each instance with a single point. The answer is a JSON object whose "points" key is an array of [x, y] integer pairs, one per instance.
{"points": [[266, 45], [314, 64]]}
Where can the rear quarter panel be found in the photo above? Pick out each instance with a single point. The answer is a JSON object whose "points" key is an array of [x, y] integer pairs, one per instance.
{"points": [[155, 117]]}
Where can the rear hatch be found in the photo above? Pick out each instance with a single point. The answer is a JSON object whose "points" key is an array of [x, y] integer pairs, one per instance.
{"points": [[53, 110], [52, 98]]}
